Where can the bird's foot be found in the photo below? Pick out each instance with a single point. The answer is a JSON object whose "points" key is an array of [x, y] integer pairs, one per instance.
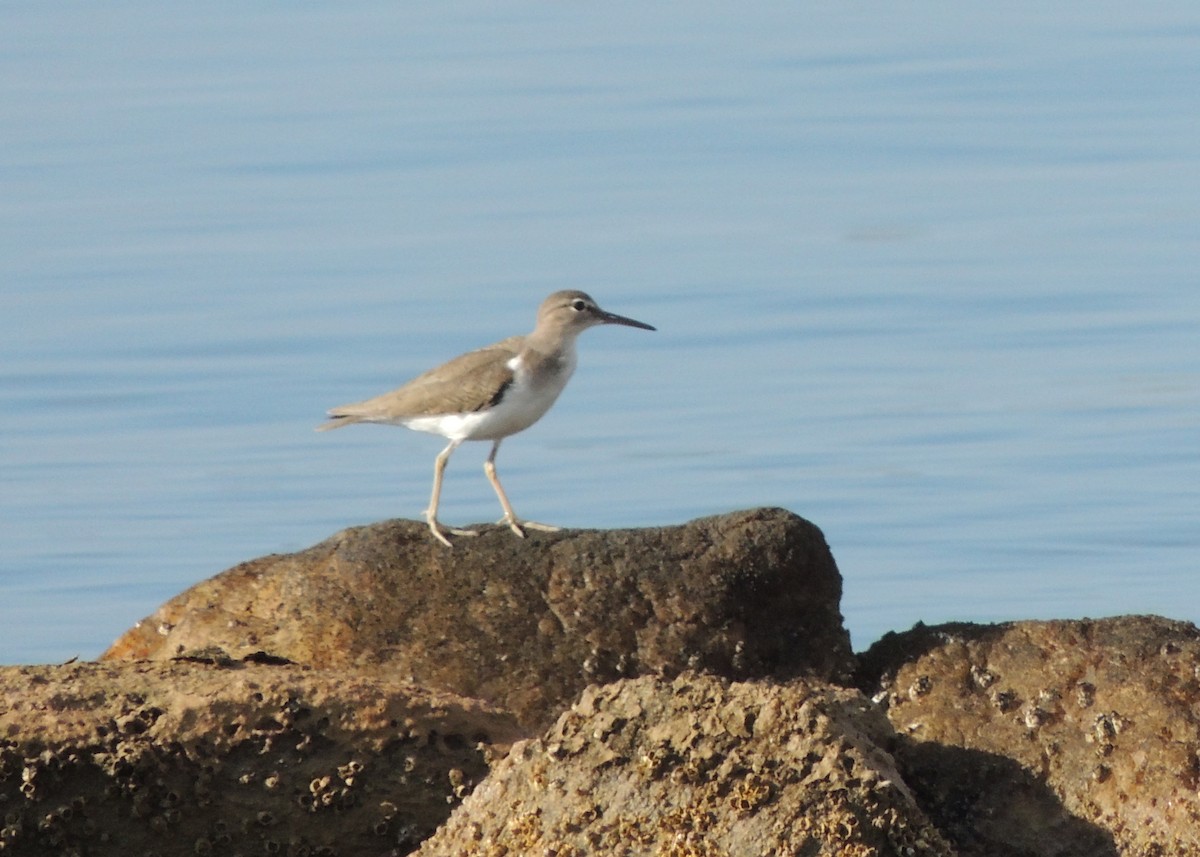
{"points": [[519, 527], [441, 531]]}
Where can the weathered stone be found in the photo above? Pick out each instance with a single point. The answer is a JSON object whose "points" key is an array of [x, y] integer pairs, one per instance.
{"points": [[1050, 738], [698, 766], [526, 624], [190, 758], [293, 714]]}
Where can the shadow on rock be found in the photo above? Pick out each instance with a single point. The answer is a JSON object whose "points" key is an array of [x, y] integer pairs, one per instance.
{"points": [[989, 805]]}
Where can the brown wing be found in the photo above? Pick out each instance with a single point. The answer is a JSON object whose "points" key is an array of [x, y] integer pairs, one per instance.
{"points": [[465, 384]]}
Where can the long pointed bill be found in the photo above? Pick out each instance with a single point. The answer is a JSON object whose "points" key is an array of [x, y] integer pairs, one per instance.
{"points": [[613, 318]]}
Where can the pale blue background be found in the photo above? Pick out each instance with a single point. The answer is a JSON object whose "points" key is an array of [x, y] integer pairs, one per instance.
{"points": [[924, 273]]}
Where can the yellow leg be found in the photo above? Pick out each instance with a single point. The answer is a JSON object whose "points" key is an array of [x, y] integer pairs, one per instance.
{"points": [[435, 527], [515, 524]]}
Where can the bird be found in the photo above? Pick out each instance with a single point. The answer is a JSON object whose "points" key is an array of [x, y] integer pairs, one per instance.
{"points": [[489, 394]]}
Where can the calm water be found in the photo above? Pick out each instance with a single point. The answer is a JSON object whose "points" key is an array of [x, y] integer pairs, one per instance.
{"points": [[924, 274]]}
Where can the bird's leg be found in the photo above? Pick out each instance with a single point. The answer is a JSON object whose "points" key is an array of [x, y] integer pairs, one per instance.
{"points": [[435, 527], [515, 524]]}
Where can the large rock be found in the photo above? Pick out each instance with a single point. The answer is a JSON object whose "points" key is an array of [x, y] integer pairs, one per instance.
{"points": [[1050, 738], [698, 766], [527, 624], [192, 758]]}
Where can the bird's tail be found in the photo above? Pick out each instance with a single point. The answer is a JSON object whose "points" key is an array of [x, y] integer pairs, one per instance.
{"points": [[337, 420]]}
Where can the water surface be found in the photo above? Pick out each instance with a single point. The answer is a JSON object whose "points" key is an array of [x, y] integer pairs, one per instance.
{"points": [[924, 275]]}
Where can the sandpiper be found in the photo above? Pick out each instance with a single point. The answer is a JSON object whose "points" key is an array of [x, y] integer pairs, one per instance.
{"points": [[489, 394]]}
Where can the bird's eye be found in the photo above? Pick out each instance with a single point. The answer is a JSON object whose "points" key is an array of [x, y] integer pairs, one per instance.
{"points": [[579, 305]]}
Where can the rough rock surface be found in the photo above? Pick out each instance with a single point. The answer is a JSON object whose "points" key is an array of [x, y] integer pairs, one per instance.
{"points": [[698, 766], [527, 624], [191, 758], [317, 703], [1050, 738]]}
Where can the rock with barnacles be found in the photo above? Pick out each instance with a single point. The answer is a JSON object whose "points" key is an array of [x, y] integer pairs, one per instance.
{"points": [[1050, 738], [527, 623], [202, 758], [691, 687], [697, 766]]}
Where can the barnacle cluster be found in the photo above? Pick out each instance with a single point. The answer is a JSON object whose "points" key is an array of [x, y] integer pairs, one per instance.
{"points": [[257, 772]]}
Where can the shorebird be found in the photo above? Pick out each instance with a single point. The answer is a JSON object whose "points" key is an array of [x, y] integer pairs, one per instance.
{"points": [[489, 394]]}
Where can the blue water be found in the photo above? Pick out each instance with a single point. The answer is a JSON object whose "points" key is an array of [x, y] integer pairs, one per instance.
{"points": [[924, 274]]}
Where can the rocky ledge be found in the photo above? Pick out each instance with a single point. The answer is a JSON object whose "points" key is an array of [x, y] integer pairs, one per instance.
{"points": [[671, 691]]}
